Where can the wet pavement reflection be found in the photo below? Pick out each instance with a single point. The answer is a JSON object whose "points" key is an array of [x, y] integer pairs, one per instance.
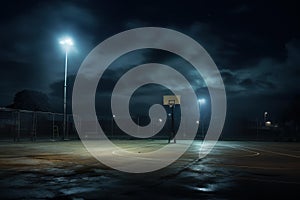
{"points": [[233, 170]]}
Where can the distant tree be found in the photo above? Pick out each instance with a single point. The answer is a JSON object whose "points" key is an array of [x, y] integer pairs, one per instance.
{"points": [[31, 100], [292, 118], [293, 110]]}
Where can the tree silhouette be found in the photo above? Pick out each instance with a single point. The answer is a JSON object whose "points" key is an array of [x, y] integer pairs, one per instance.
{"points": [[31, 100]]}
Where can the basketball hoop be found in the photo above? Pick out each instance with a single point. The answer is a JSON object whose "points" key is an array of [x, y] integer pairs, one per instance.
{"points": [[171, 103]]}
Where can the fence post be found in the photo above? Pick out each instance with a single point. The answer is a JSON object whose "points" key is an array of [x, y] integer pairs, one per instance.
{"points": [[112, 127], [67, 127], [13, 125], [18, 126], [34, 124], [53, 124], [138, 121]]}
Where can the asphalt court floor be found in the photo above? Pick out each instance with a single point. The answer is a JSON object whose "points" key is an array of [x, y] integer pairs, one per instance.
{"points": [[232, 170]]}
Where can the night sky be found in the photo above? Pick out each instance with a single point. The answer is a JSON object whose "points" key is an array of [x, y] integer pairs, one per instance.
{"points": [[255, 45]]}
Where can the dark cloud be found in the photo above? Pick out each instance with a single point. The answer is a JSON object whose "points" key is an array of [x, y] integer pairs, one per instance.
{"points": [[255, 45], [30, 52], [228, 77]]}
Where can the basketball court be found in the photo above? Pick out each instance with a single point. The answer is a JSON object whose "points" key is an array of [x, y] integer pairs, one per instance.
{"points": [[233, 170]]}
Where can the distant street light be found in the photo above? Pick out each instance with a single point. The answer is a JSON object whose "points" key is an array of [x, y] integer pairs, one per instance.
{"points": [[67, 43], [201, 101], [265, 117]]}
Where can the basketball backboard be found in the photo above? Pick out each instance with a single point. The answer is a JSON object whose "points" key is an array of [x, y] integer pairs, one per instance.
{"points": [[171, 99]]}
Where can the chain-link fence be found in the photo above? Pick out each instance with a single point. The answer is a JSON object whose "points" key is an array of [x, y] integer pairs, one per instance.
{"points": [[112, 131], [24, 125]]}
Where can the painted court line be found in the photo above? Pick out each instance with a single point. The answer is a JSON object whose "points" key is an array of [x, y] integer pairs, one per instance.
{"points": [[274, 152]]}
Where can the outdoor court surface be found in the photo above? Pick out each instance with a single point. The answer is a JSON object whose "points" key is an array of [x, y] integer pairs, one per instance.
{"points": [[233, 170]]}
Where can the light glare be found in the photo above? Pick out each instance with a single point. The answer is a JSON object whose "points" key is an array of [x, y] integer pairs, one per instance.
{"points": [[201, 101], [66, 42]]}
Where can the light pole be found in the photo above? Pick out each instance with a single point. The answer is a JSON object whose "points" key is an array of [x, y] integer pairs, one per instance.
{"points": [[201, 102], [67, 43], [112, 125]]}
